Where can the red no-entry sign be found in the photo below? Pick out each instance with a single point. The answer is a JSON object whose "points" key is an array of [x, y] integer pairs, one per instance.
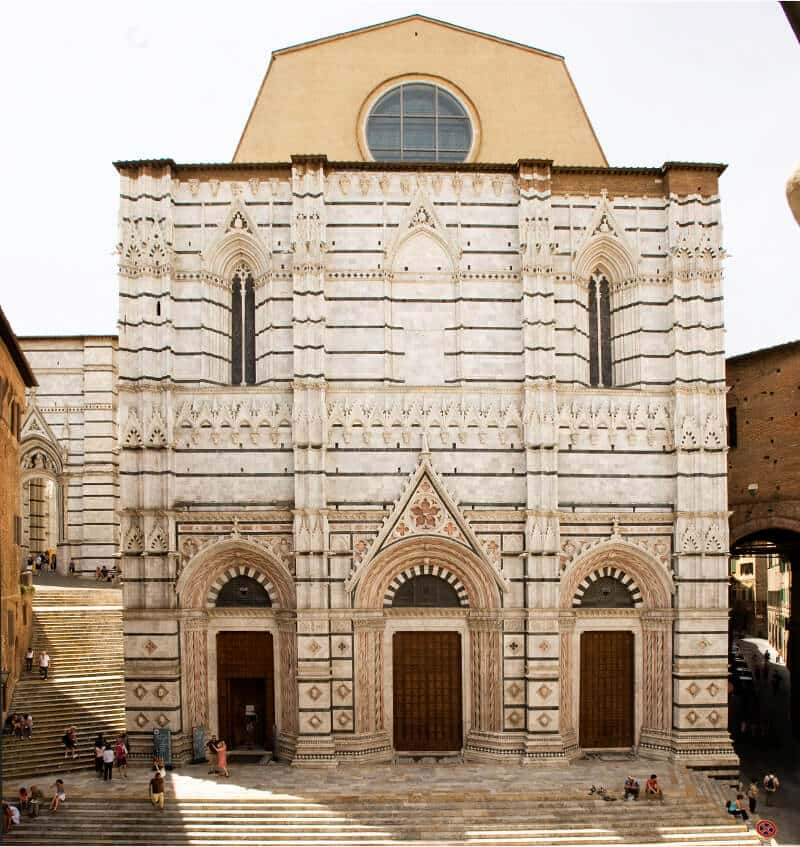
{"points": [[766, 829]]}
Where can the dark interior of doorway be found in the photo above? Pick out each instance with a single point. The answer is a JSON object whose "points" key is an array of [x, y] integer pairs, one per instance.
{"points": [[246, 690]]}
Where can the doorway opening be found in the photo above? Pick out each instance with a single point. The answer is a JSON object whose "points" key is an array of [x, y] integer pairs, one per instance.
{"points": [[246, 690], [427, 692], [606, 690]]}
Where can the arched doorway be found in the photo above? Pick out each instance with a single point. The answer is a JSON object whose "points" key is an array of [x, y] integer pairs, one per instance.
{"points": [[42, 499], [428, 639], [616, 649], [239, 646]]}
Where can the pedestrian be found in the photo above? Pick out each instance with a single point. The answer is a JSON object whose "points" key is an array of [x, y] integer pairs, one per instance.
{"points": [[158, 766], [771, 785], [631, 788], [19, 723], [652, 790], [23, 798], [212, 748], [44, 664], [27, 727], [99, 746], [108, 763], [222, 757], [53, 562], [68, 740], [157, 790], [36, 800], [59, 795], [121, 755], [752, 795], [72, 567], [10, 816], [97, 573], [29, 659], [104, 574]]}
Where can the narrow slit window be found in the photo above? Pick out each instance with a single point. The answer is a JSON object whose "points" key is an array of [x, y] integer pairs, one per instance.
{"points": [[243, 327], [601, 365]]}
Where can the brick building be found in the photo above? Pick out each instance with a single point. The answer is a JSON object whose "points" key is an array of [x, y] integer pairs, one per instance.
{"points": [[764, 477], [15, 607]]}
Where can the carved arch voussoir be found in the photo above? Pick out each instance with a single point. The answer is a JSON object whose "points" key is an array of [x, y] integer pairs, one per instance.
{"points": [[241, 570], [613, 572], [472, 574], [654, 582], [427, 570], [608, 255], [207, 571]]}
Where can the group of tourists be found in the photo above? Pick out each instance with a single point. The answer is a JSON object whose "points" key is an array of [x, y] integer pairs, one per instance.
{"points": [[30, 801], [106, 755], [18, 725], [44, 561], [105, 574], [746, 802], [219, 750]]}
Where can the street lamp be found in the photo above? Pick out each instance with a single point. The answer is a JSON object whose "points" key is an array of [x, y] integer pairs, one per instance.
{"points": [[4, 675]]}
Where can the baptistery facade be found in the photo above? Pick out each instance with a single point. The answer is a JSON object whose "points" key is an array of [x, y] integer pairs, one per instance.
{"points": [[421, 452]]}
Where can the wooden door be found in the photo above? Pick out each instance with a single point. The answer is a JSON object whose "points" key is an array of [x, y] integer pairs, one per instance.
{"points": [[246, 689], [606, 699], [427, 691]]}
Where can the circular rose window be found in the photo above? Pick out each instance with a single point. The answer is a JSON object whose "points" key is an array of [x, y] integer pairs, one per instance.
{"points": [[418, 122]]}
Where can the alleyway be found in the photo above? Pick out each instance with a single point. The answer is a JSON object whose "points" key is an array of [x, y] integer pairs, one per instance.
{"points": [[768, 743]]}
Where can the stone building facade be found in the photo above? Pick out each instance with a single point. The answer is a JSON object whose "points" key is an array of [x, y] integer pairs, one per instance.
{"points": [[418, 452], [15, 606], [69, 452]]}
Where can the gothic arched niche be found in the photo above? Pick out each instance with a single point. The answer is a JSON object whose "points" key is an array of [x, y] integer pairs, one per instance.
{"points": [[422, 253]]}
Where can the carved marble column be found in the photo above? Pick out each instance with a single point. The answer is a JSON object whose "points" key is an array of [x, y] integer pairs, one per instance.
{"points": [[486, 682], [371, 737], [567, 659], [287, 676], [194, 635], [656, 682]]}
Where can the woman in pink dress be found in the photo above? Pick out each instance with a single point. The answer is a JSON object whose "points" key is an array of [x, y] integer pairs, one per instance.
{"points": [[222, 757]]}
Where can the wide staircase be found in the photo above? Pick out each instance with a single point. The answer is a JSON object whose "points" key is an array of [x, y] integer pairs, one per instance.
{"points": [[81, 629], [434, 819]]}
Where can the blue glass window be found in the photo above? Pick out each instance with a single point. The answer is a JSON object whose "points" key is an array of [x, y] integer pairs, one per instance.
{"points": [[418, 122]]}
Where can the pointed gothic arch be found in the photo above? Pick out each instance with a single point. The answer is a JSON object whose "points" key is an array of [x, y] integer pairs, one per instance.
{"points": [[218, 562], [640, 567]]}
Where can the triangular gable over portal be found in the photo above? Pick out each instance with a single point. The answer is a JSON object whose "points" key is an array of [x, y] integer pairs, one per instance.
{"points": [[426, 509], [36, 426]]}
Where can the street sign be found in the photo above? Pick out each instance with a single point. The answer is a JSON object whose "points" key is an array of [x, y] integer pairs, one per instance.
{"points": [[766, 829]]}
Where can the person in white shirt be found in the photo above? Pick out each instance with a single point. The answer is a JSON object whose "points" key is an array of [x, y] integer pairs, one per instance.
{"points": [[108, 763], [44, 663]]}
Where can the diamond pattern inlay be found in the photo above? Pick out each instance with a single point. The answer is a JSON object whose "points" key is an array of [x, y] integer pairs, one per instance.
{"points": [[315, 693], [544, 720], [692, 717], [314, 722], [140, 691], [693, 689]]}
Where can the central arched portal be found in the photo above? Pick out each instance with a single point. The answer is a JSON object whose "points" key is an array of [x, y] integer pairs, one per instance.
{"points": [[428, 672]]}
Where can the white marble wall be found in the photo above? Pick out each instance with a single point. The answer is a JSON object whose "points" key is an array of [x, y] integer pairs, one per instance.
{"points": [[394, 310]]}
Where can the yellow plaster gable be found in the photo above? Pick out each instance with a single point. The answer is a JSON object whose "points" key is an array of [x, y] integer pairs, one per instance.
{"points": [[313, 96]]}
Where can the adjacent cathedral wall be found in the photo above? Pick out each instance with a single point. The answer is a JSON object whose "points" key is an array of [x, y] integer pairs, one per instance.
{"points": [[72, 418], [396, 309]]}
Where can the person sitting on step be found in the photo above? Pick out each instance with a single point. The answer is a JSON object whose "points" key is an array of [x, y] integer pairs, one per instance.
{"points": [[652, 790], [59, 795], [631, 788]]}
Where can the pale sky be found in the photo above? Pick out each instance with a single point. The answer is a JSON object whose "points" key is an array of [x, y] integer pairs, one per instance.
{"points": [[89, 83]]}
